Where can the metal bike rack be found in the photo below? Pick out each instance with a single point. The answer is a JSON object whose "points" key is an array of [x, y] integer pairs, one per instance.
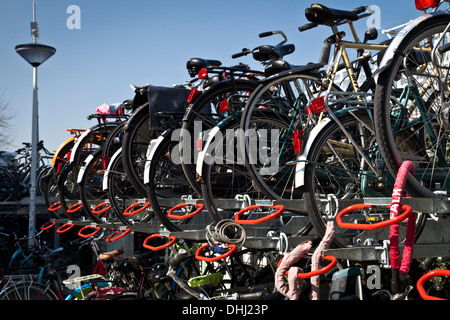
{"points": [[433, 242]]}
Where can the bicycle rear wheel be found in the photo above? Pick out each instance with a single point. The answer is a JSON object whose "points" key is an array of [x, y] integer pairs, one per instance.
{"points": [[122, 194], [28, 291], [287, 98], [168, 187], [412, 104], [205, 113], [335, 173], [226, 182]]}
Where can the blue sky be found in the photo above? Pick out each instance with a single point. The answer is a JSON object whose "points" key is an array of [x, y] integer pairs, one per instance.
{"points": [[142, 41]]}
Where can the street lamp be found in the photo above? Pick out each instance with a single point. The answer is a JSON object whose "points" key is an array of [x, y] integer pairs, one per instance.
{"points": [[35, 54]]}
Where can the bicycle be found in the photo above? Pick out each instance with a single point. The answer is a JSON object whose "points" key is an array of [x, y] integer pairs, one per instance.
{"points": [[410, 103]]}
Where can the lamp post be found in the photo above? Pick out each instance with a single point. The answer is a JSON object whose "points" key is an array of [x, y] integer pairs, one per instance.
{"points": [[35, 54]]}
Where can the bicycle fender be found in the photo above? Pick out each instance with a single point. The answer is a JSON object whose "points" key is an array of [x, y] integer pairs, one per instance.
{"points": [[152, 146], [108, 169], [202, 154], [392, 49], [301, 159], [83, 168], [78, 143], [56, 156], [309, 69]]}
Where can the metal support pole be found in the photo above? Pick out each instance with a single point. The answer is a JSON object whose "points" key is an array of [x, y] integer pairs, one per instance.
{"points": [[34, 157]]}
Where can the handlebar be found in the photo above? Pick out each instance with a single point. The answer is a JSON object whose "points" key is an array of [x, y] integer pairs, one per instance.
{"points": [[271, 33], [246, 51], [359, 9], [307, 26]]}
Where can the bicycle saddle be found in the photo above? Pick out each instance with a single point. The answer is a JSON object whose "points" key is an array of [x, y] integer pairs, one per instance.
{"points": [[276, 67], [158, 272], [194, 65], [321, 14], [268, 52], [105, 256]]}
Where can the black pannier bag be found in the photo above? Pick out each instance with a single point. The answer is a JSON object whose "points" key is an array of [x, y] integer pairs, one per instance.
{"points": [[165, 104]]}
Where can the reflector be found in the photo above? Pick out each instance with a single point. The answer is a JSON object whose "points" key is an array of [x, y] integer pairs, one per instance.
{"points": [[316, 106], [426, 4], [203, 74]]}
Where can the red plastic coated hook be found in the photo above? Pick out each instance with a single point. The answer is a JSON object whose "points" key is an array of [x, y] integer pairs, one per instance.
{"points": [[130, 210], [101, 208], [373, 226], [65, 227], [426, 277], [200, 207], [81, 232], [216, 258], [48, 225], [74, 208], [157, 235], [116, 235], [278, 212], [54, 207], [305, 275]]}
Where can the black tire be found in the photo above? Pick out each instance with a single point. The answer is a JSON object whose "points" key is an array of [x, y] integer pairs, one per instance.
{"points": [[203, 111], [224, 177], [166, 186], [425, 155], [136, 138], [287, 97], [121, 193], [334, 170]]}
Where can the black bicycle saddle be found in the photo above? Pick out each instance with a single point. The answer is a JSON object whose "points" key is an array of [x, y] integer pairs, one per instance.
{"points": [[321, 14], [268, 52], [194, 65]]}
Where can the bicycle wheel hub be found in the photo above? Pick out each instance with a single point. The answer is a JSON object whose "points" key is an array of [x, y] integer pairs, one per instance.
{"points": [[443, 116]]}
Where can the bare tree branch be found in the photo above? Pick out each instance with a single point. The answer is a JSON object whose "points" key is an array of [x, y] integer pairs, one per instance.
{"points": [[5, 121]]}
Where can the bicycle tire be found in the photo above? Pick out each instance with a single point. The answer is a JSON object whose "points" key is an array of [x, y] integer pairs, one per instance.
{"points": [[167, 181], [90, 187], [135, 141], [334, 171], [281, 95], [429, 179], [28, 291], [204, 110], [68, 193], [227, 178], [121, 192], [90, 140]]}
